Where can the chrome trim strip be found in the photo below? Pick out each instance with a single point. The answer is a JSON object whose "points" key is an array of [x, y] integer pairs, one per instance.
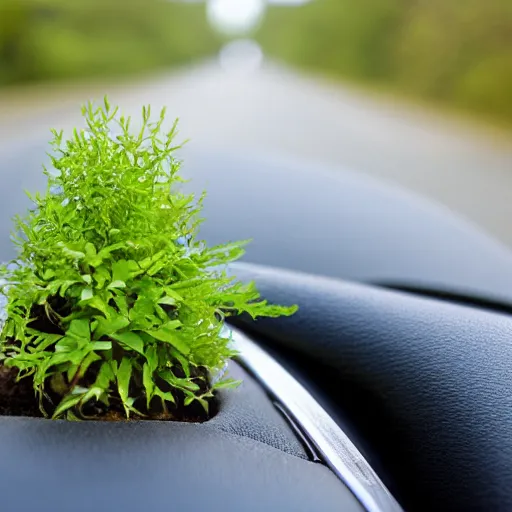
{"points": [[338, 452]]}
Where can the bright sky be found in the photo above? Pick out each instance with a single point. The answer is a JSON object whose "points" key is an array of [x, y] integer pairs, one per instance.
{"points": [[235, 15], [238, 16]]}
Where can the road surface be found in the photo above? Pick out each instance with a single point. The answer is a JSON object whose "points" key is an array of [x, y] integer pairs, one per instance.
{"points": [[277, 111]]}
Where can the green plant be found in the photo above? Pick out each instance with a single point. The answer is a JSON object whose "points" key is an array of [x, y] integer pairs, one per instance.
{"points": [[113, 302]]}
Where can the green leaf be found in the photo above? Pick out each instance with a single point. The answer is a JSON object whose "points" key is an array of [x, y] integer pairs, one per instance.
{"points": [[155, 268], [160, 313], [152, 357], [168, 334], [48, 274], [185, 365], [202, 401], [71, 416], [105, 253], [73, 357], [101, 275], [69, 252], [167, 396], [79, 329], [79, 390], [147, 262], [148, 383], [110, 325], [117, 284], [90, 250], [227, 384], [67, 345], [186, 384], [66, 403], [98, 303], [87, 294], [84, 365], [64, 287], [124, 374], [171, 298], [58, 383], [46, 340], [141, 308], [130, 340], [105, 375], [134, 268], [120, 271], [87, 279], [102, 345], [122, 304], [169, 301]]}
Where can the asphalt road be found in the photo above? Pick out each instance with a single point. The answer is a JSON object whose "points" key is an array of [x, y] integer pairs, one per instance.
{"points": [[277, 111]]}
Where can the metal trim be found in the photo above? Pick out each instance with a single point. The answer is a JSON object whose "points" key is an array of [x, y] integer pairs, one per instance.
{"points": [[337, 450]]}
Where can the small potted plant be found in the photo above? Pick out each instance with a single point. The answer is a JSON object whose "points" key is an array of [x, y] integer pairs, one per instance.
{"points": [[114, 308]]}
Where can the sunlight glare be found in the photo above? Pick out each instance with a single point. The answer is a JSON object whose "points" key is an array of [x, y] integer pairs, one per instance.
{"points": [[235, 16]]}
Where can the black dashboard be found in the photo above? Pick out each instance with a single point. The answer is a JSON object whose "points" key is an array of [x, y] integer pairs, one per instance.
{"points": [[419, 387]]}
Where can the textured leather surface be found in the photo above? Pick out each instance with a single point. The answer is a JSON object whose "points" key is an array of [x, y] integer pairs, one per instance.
{"points": [[427, 383], [155, 466], [246, 458], [247, 411]]}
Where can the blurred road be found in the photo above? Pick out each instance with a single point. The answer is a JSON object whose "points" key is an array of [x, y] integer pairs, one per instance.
{"points": [[274, 110]]}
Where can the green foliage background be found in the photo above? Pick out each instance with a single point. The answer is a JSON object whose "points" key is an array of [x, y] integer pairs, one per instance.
{"points": [[56, 39], [456, 52]]}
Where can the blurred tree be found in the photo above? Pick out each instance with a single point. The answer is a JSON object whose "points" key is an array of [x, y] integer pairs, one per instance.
{"points": [[458, 52], [13, 22], [54, 39]]}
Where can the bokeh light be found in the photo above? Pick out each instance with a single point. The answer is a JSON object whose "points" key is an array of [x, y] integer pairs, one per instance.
{"points": [[235, 16]]}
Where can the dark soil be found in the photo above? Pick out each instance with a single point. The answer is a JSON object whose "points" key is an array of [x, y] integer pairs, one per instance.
{"points": [[18, 399]]}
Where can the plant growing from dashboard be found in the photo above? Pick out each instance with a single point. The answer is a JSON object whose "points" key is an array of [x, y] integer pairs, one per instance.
{"points": [[114, 307]]}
